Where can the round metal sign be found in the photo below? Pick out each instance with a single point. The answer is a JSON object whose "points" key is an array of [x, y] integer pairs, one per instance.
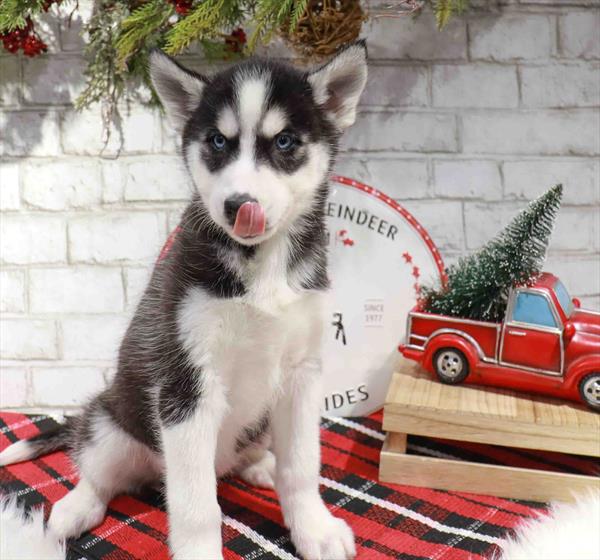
{"points": [[379, 257]]}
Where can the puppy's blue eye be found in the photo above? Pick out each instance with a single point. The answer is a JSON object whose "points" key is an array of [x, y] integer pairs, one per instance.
{"points": [[218, 141], [284, 141]]}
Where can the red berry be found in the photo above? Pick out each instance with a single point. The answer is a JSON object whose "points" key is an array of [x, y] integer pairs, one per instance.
{"points": [[182, 7], [24, 38], [11, 46], [239, 34], [28, 47], [11, 41], [33, 46], [235, 40]]}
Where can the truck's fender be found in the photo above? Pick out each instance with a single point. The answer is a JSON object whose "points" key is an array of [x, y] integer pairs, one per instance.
{"points": [[580, 367], [447, 340]]}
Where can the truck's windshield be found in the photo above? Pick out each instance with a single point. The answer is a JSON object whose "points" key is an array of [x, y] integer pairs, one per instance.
{"points": [[563, 298]]}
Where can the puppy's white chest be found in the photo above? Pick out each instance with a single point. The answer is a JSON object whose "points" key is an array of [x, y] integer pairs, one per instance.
{"points": [[247, 346], [258, 341], [246, 350]]}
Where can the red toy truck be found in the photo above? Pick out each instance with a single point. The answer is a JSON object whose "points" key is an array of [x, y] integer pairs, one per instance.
{"points": [[546, 344]]}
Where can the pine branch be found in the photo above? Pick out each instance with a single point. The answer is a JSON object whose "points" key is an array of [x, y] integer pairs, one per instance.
{"points": [[445, 9], [443, 12], [138, 29], [297, 13], [269, 15], [14, 13], [104, 81], [206, 21]]}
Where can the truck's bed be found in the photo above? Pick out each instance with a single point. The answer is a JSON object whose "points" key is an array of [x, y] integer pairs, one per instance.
{"points": [[421, 326]]}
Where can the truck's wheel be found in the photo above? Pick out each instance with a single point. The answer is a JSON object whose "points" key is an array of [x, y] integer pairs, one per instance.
{"points": [[450, 365], [589, 389]]}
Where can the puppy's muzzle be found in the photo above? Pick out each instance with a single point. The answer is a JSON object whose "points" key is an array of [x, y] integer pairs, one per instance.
{"points": [[245, 215], [233, 204]]}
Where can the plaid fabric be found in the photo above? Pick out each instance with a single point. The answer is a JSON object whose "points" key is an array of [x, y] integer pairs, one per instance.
{"points": [[390, 521]]}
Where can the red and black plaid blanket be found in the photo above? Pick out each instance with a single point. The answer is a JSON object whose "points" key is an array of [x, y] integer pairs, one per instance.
{"points": [[390, 521]]}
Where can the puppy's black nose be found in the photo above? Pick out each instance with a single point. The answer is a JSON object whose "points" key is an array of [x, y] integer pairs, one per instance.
{"points": [[232, 205]]}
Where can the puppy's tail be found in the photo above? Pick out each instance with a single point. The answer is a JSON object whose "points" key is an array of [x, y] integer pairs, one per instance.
{"points": [[42, 444], [23, 534]]}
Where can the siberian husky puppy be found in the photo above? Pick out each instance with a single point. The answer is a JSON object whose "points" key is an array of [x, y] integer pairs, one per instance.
{"points": [[219, 370]]}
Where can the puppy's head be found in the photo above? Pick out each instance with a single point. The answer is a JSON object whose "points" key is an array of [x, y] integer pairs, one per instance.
{"points": [[259, 138]]}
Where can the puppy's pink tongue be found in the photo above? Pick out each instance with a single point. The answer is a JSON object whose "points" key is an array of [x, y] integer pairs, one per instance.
{"points": [[250, 220]]}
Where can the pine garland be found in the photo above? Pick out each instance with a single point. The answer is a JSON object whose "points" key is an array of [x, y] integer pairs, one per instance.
{"points": [[478, 285], [122, 32]]}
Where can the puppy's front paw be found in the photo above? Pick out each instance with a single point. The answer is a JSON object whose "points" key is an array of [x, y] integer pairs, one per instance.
{"points": [[323, 537]]}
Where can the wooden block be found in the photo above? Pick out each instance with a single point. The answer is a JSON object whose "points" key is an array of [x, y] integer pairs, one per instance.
{"points": [[395, 442], [418, 404], [497, 480]]}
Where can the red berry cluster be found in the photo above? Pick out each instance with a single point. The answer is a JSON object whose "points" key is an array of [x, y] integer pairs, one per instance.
{"points": [[26, 39], [235, 41], [182, 7]]}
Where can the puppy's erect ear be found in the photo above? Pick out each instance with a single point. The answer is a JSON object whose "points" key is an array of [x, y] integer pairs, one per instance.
{"points": [[178, 88], [338, 84]]}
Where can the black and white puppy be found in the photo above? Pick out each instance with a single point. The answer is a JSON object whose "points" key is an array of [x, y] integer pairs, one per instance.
{"points": [[221, 362]]}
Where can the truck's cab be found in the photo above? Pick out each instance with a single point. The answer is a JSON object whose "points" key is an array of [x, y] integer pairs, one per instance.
{"points": [[532, 333], [546, 330]]}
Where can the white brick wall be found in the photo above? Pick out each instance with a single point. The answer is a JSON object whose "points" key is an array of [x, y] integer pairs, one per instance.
{"points": [[61, 184], [9, 180], [28, 339], [26, 239], [12, 291], [475, 85], [116, 236], [462, 126], [76, 289], [518, 36], [65, 386]]}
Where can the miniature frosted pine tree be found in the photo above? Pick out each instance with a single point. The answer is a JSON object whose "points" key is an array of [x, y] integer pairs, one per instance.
{"points": [[478, 285]]}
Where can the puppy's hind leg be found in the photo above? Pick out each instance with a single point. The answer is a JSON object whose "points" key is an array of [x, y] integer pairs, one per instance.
{"points": [[257, 463], [260, 471], [110, 462]]}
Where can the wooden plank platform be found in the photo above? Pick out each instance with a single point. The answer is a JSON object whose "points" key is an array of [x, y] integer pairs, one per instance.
{"points": [[419, 405]]}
